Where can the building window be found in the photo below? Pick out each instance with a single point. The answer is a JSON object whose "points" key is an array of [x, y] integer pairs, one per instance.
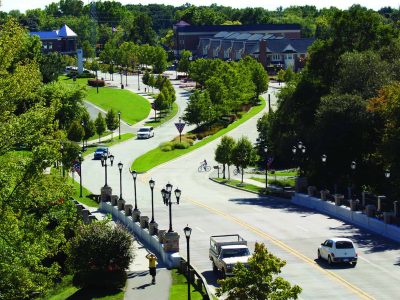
{"points": [[215, 52], [289, 56], [204, 50], [276, 57], [238, 55], [50, 46], [226, 53]]}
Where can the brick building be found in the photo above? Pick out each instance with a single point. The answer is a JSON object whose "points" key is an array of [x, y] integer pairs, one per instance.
{"points": [[62, 40]]}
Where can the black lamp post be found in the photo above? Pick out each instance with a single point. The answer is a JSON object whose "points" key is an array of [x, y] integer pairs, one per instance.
{"points": [[266, 167], [302, 150], [323, 159], [188, 231], [119, 126], [387, 176], [166, 195], [83, 137], [353, 167], [138, 78], [120, 166], [134, 176], [104, 158], [80, 174], [152, 183]]}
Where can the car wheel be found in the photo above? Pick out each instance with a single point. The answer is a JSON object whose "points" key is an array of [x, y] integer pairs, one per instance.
{"points": [[329, 260], [319, 255], [354, 264], [223, 274], [215, 269]]}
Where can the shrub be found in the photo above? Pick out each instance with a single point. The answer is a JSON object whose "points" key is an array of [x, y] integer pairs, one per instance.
{"points": [[98, 82], [167, 146], [181, 145], [84, 74]]}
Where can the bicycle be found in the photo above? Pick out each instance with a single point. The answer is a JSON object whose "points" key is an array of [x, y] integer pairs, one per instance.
{"points": [[237, 171], [204, 167]]}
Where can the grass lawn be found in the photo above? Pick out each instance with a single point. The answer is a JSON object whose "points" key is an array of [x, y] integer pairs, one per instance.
{"points": [[237, 183], [133, 108], [84, 200], [279, 181], [165, 118], [156, 157], [65, 290], [178, 290]]}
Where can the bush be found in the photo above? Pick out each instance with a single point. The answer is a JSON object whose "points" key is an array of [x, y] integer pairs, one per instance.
{"points": [[97, 279], [181, 145], [167, 146], [95, 83], [84, 74]]}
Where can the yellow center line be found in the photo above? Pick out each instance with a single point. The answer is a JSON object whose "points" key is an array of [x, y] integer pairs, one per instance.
{"points": [[282, 245]]}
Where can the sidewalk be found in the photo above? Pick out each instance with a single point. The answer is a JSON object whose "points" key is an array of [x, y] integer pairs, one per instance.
{"points": [[138, 285]]}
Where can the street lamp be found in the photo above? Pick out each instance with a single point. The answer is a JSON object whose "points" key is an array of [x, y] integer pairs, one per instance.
{"points": [[80, 173], [323, 159], [104, 158], [266, 168], [152, 184], [134, 176], [138, 78], [353, 166], [120, 166], [188, 231], [83, 137], [166, 194], [119, 126], [302, 150]]}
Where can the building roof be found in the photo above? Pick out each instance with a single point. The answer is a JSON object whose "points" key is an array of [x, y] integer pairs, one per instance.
{"points": [[258, 27], [289, 45], [63, 32]]}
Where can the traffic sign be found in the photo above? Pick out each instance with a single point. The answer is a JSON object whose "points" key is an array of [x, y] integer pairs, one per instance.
{"points": [[180, 126]]}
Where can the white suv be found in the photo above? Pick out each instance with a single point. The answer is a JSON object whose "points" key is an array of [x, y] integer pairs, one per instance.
{"points": [[145, 132], [338, 250]]}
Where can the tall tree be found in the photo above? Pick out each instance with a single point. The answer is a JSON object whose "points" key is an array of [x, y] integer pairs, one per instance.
{"points": [[243, 154], [259, 280], [223, 153], [100, 124], [112, 121]]}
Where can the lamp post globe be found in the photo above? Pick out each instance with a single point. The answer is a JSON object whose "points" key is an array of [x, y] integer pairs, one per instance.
{"points": [[387, 173], [178, 193], [188, 231], [120, 166], [294, 149]]}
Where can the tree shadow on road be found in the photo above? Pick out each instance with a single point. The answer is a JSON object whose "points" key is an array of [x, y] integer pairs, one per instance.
{"points": [[274, 203]]}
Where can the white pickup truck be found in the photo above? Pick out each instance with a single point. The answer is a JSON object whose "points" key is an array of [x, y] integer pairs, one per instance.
{"points": [[226, 251]]}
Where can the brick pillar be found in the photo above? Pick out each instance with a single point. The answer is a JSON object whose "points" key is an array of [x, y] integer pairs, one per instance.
{"points": [[263, 53], [105, 194], [171, 242]]}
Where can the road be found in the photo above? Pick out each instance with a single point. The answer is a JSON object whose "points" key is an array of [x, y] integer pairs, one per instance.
{"points": [[290, 232]]}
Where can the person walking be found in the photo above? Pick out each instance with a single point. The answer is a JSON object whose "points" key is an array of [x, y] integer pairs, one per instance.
{"points": [[152, 266]]}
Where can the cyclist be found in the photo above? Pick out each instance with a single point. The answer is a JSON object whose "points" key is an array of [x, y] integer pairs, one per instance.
{"points": [[205, 165]]}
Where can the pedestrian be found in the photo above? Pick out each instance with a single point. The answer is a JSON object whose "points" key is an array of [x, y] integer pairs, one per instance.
{"points": [[152, 266]]}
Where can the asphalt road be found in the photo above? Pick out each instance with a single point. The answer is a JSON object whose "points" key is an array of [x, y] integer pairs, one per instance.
{"points": [[290, 232]]}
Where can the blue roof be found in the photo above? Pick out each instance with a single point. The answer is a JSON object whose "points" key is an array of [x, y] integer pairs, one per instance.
{"points": [[63, 32], [214, 28], [46, 35]]}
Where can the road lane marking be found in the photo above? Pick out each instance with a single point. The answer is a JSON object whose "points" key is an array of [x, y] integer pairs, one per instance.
{"points": [[378, 267], [302, 228], [282, 245], [199, 229]]}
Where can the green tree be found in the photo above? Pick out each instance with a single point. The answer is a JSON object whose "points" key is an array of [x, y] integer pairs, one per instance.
{"points": [[243, 154], [112, 121], [76, 132], [103, 251], [184, 61], [159, 60], [260, 280], [100, 124], [223, 153], [198, 110], [51, 66], [146, 78]]}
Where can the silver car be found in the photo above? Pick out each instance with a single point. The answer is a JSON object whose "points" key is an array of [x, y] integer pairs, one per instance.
{"points": [[145, 132]]}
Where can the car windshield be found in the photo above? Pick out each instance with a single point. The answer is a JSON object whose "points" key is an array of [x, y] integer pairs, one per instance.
{"points": [[226, 253], [101, 150], [144, 129], [344, 245]]}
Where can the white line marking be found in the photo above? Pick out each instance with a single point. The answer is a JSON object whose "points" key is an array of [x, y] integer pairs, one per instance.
{"points": [[302, 228], [199, 229], [378, 267]]}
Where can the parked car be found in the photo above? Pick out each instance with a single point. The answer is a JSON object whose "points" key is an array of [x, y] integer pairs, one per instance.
{"points": [[337, 250], [100, 152], [145, 132]]}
